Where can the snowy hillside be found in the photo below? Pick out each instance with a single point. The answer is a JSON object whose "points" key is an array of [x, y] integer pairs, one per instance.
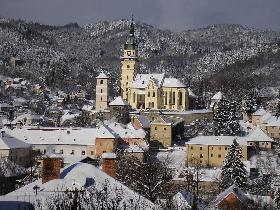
{"points": [[63, 56]]}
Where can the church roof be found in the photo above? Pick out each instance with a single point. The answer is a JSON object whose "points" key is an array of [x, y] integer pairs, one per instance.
{"points": [[173, 82], [142, 80], [119, 101], [102, 76]]}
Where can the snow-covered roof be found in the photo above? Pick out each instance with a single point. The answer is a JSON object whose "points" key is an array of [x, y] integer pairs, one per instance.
{"points": [[183, 200], [259, 135], [260, 112], [144, 121], [78, 175], [123, 132], [142, 80], [87, 108], [119, 101], [9, 142], [273, 121], [173, 82], [236, 191], [217, 140], [195, 111], [20, 118], [102, 76], [56, 136], [217, 96], [109, 155], [191, 93]]}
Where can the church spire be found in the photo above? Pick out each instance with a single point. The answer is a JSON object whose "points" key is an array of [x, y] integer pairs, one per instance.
{"points": [[131, 43]]}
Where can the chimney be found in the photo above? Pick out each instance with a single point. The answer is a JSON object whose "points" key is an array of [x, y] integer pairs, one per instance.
{"points": [[109, 164], [50, 169]]}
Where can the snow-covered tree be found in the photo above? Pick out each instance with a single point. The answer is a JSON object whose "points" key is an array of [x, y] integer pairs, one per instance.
{"points": [[149, 178], [225, 120], [249, 105], [277, 110], [233, 170]]}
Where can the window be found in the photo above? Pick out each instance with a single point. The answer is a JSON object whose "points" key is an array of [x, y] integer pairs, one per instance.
{"points": [[201, 155], [211, 155], [73, 152], [219, 156], [128, 53], [44, 151], [101, 82], [191, 147], [91, 153], [200, 148], [164, 129], [83, 152], [154, 94], [101, 91], [225, 148], [212, 148], [128, 66], [61, 151], [148, 94], [134, 97], [155, 128], [180, 98], [173, 98]]}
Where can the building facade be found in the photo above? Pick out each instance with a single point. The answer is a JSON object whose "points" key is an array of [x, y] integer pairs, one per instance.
{"points": [[148, 91]]}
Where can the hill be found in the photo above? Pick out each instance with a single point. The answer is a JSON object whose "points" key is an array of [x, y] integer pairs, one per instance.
{"points": [[231, 57]]}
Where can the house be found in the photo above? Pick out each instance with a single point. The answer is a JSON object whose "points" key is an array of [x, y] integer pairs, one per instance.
{"points": [[141, 122], [215, 100], [77, 177], [14, 149], [259, 139], [232, 198], [257, 115], [211, 150], [69, 142], [164, 129]]}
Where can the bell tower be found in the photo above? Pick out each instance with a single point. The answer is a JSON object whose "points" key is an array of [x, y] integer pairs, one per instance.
{"points": [[129, 62], [101, 100]]}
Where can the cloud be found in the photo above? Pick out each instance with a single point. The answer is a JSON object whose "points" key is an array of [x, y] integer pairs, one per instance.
{"points": [[175, 15]]}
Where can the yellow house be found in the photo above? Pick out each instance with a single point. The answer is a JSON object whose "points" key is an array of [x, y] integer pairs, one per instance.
{"points": [[164, 129], [259, 139], [211, 150]]}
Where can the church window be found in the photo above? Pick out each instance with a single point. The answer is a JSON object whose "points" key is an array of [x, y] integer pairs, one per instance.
{"points": [[101, 91], [101, 98], [154, 94], [180, 96], [101, 82], [134, 97]]}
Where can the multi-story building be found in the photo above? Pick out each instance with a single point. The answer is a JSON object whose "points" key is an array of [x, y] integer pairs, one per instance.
{"points": [[211, 150], [149, 91]]}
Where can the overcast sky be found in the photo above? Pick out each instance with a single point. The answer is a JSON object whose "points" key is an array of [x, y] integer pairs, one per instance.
{"points": [[175, 15]]}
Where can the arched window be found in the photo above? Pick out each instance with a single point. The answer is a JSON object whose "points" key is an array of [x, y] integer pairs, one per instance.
{"points": [[180, 98], [101, 90], [101, 98], [154, 94], [134, 96], [149, 94]]}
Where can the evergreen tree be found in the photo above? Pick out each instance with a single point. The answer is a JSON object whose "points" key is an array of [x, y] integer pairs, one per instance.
{"points": [[233, 170], [225, 120], [277, 111], [249, 105]]}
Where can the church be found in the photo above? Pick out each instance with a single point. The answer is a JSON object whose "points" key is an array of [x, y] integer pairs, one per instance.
{"points": [[148, 91]]}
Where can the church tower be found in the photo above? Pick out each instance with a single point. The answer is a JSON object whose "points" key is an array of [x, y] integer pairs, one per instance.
{"points": [[129, 62], [101, 100]]}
